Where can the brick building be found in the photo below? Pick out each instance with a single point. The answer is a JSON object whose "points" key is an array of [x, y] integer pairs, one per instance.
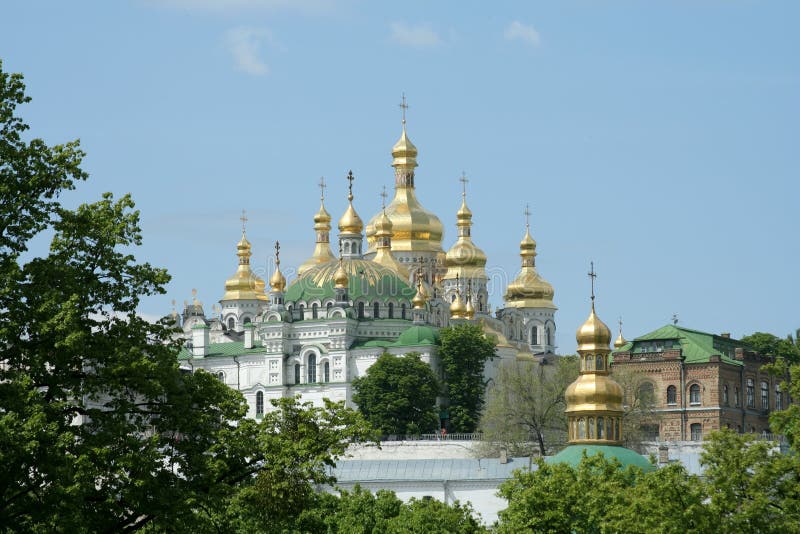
{"points": [[701, 382]]}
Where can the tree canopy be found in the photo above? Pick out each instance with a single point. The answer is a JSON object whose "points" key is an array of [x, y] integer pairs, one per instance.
{"points": [[398, 394], [463, 354], [771, 345]]}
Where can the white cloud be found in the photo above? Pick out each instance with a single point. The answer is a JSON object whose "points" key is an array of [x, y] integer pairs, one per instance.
{"points": [[418, 36], [244, 44], [522, 32]]}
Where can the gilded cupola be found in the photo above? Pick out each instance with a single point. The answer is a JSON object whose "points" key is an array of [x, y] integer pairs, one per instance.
{"points": [[464, 259], [620, 341], [529, 289], [350, 223], [458, 309], [383, 236], [277, 282], [244, 284], [415, 228], [594, 399], [322, 227]]}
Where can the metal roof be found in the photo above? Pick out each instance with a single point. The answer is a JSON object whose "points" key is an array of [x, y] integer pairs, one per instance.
{"points": [[429, 469]]}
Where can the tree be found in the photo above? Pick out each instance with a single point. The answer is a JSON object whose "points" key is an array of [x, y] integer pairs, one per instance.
{"points": [[463, 353], [641, 416], [770, 345], [398, 395], [526, 403], [429, 516]]}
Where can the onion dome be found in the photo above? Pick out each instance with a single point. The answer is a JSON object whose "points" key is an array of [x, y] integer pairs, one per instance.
{"points": [[383, 255], [469, 309], [277, 282], [421, 298], [244, 284], [350, 223], [457, 307], [415, 228], [322, 250], [620, 341], [340, 278], [465, 259], [529, 289], [593, 334]]}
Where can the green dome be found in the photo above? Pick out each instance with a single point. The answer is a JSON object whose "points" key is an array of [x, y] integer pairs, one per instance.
{"points": [[418, 335], [366, 279], [573, 454]]}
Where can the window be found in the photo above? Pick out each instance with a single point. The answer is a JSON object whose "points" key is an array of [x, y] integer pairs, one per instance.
{"points": [[314, 309], [751, 393], [259, 404], [328, 306], [391, 310], [581, 428], [312, 368], [376, 310], [360, 310], [778, 397], [599, 362], [725, 395], [535, 335], [403, 310], [696, 431], [326, 372], [672, 395], [736, 396], [221, 376], [590, 428], [601, 428], [694, 394], [549, 335], [297, 373], [346, 248], [764, 395], [231, 324], [246, 320]]}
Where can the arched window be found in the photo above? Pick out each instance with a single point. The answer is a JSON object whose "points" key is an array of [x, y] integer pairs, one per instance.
{"points": [[751, 393], [297, 373], [221, 377], [725, 398], [736, 396], [581, 428], [599, 365], [231, 323], [672, 395], [764, 395], [246, 320], [616, 428], [302, 309], [360, 310], [312, 368], [535, 335], [391, 310], [314, 308], [259, 404], [696, 431], [778, 397], [549, 335], [590, 428], [326, 372], [346, 247], [694, 394], [328, 306], [601, 428], [403, 310], [376, 310]]}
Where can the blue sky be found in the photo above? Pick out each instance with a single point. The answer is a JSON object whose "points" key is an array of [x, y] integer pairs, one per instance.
{"points": [[658, 139]]}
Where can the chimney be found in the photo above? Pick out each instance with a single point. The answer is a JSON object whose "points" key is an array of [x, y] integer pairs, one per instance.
{"points": [[726, 335], [503, 456], [248, 336], [199, 340], [663, 455]]}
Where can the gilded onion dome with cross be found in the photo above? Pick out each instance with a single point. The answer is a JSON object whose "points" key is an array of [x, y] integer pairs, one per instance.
{"points": [[244, 284], [322, 227], [529, 289], [383, 235], [416, 230], [465, 259]]}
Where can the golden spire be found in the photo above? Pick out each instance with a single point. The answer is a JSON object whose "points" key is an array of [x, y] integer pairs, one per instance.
{"points": [[244, 284], [465, 259], [457, 307], [421, 298], [620, 341], [340, 278], [529, 289], [322, 227], [404, 151], [277, 281], [383, 234], [594, 400], [469, 309], [350, 222]]}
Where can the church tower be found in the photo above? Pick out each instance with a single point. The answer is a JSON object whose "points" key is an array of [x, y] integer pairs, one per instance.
{"points": [[350, 227], [529, 313], [417, 232], [383, 240], [322, 229], [244, 291], [277, 283]]}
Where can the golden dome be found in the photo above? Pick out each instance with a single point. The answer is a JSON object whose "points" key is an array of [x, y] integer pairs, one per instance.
{"points": [[593, 392], [465, 259], [593, 334], [244, 284], [620, 341], [421, 297], [383, 254], [322, 216], [457, 307], [469, 309], [351, 223], [277, 282], [322, 249], [529, 289], [340, 277], [404, 152]]}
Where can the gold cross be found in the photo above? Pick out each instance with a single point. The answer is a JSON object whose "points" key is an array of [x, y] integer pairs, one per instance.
{"points": [[404, 107], [383, 197], [527, 213], [592, 276], [243, 218], [321, 188], [350, 179], [277, 252], [463, 181]]}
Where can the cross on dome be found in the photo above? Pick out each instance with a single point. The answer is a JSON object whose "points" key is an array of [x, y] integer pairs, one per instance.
{"points": [[321, 186], [592, 275], [350, 179], [383, 197], [277, 252], [404, 107], [464, 180], [527, 213], [243, 218]]}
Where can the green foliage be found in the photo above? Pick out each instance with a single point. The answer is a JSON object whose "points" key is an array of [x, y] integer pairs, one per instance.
{"points": [[525, 406], [787, 421], [770, 345], [398, 395], [464, 351], [429, 516]]}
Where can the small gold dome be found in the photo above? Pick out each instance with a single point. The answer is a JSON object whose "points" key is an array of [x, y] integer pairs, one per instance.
{"points": [[277, 281], [592, 392], [383, 226], [404, 152], [593, 334], [350, 222], [529, 289], [469, 310], [420, 298], [620, 341], [244, 284], [465, 259], [457, 308], [322, 216], [340, 278]]}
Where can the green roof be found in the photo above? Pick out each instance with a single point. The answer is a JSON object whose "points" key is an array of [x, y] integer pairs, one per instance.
{"points": [[418, 335], [695, 346], [219, 350], [365, 279], [573, 454]]}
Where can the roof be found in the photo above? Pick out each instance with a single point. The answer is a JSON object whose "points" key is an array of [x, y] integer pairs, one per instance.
{"points": [[695, 346], [428, 469], [219, 350], [418, 335], [366, 279], [573, 455]]}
